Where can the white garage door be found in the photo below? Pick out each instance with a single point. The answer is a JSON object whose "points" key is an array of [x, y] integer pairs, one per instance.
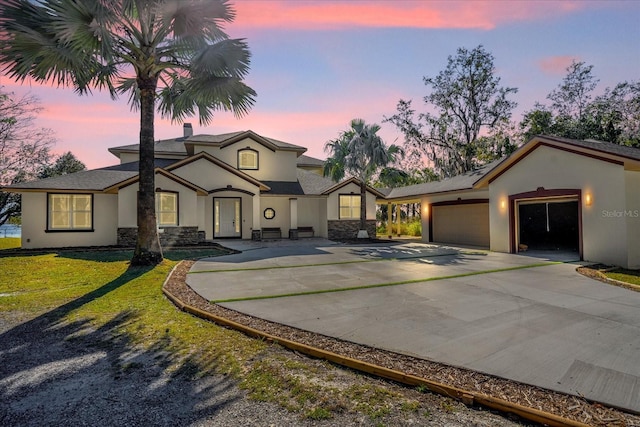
{"points": [[461, 224]]}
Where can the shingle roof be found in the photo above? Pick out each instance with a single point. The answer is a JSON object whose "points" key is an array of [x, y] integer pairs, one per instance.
{"points": [[174, 146], [602, 146], [93, 180], [312, 183], [177, 145], [464, 181], [283, 188], [309, 161], [135, 166], [96, 179]]}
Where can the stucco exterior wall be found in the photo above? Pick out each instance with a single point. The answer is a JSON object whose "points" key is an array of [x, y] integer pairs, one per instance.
{"points": [[187, 200], [425, 201], [272, 166], [632, 214], [34, 224], [187, 203], [604, 238], [312, 212], [208, 176], [333, 203], [128, 157], [281, 206]]}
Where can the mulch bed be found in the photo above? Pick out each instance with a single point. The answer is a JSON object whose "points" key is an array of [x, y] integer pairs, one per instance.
{"points": [[563, 405]]}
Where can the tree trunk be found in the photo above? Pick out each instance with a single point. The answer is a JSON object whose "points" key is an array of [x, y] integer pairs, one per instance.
{"points": [[148, 250]]}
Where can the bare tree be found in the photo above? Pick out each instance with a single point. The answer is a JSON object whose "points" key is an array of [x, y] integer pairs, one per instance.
{"points": [[24, 148]]}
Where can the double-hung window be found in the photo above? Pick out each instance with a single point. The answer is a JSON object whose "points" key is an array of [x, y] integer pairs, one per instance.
{"points": [[349, 206], [70, 212], [166, 208]]}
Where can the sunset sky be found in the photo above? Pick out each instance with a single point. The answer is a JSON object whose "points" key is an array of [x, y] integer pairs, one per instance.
{"points": [[318, 64]]}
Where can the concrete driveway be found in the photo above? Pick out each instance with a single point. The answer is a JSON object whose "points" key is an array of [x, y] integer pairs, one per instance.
{"points": [[526, 318]]}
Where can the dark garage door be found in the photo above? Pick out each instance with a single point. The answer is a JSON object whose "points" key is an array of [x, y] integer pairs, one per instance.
{"points": [[549, 225]]}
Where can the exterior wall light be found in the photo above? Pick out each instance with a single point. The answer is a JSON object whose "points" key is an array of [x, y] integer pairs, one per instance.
{"points": [[503, 204], [588, 199]]}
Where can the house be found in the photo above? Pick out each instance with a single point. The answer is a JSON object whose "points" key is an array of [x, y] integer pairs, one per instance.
{"points": [[235, 185], [551, 194]]}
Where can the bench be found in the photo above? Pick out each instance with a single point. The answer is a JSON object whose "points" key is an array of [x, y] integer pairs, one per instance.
{"points": [[307, 231], [271, 233]]}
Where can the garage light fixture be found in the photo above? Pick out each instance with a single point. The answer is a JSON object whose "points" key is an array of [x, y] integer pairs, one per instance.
{"points": [[503, 204], [587, 199]]}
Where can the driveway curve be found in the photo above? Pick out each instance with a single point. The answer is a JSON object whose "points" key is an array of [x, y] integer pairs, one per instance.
{"points": [[532, 318]]}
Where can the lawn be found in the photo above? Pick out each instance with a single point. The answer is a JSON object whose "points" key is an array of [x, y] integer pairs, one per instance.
{"points": [[628, 276], [97, 290], [9, 243]]}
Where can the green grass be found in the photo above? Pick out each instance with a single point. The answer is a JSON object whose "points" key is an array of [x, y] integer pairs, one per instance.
{"points": [[98, 298], [628, 276], [94, 288], [9, 243]]}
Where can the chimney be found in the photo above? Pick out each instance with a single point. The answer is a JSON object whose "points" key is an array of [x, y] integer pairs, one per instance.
{"points": [[188, 130]]}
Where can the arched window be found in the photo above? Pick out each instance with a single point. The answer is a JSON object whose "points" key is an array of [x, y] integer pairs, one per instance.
{"points": [[248, 159]]}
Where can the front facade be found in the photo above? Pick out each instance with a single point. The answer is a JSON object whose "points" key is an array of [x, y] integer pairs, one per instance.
{"points": [[551, 194], [237, 185]]}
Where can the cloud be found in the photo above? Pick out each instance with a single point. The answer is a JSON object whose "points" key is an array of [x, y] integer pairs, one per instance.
{"points": [[327, 15], [556, 65]]}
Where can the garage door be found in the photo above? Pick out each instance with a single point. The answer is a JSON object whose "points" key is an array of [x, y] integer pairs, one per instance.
{"points": [[461, 224], [549, 225]]}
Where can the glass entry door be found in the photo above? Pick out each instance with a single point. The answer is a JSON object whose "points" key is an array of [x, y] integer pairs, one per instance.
{"points": [[226, 217]]}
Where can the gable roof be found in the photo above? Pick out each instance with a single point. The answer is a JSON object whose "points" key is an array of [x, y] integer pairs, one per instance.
{"points": [[221, 164], [159, 171], [628, 157], [356, 181], [272, 144], [184, 145]]}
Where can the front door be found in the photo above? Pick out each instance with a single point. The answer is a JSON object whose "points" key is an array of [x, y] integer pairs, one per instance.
{"points": [[227, 222]]}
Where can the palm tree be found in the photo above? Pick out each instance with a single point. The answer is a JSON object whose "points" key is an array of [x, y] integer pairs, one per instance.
{"points": [[170, 51], [359, 152]]}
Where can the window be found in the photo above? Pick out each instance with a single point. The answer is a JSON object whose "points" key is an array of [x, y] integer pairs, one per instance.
{"points": [[248, 159], [269, 213], [70, 212], [349, 206], [166, 208]]}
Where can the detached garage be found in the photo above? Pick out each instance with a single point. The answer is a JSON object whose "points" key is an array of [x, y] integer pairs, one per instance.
{"points": [[559, 194], [552, 194]]}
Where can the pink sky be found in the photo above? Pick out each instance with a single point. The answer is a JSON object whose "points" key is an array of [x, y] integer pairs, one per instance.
{"points": [[318, 64]]}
